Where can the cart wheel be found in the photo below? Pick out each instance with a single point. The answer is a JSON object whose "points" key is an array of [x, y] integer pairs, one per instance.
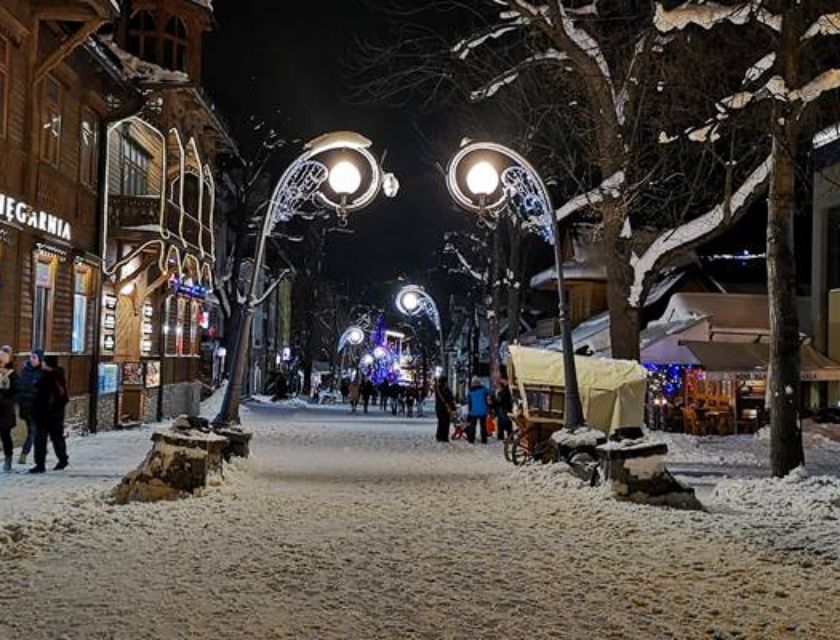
{"points": [[584, 466], [519, 455]]}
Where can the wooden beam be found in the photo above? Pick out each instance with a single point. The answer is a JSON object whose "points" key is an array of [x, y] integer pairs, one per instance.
{"points": [[11, 26], [66, 48]]}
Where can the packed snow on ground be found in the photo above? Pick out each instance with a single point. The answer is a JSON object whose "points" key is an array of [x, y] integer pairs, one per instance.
{"points": [[352, 526]]}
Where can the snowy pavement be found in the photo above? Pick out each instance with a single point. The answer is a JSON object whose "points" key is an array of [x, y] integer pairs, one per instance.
{"points": [[346, 526]]}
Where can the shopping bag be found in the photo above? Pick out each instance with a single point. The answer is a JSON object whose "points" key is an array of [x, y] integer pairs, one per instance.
{"points": [[491, 425]]}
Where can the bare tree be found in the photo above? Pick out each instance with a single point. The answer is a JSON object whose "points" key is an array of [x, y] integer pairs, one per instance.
{"points": [[790, 77], [590, 85]]}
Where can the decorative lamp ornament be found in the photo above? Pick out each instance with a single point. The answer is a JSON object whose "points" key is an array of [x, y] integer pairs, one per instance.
{"points": [[345, 178], [390, 185], [367, 360], [380, 352], [483, 179]]}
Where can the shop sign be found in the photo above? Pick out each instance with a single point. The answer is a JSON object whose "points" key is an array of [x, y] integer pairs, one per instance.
{"points": [[187, 287], [12, 210], [132, 374]]}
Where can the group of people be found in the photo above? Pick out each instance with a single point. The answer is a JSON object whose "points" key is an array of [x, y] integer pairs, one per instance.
{"points": [[480, 404], [38, 394], [399, 399]]}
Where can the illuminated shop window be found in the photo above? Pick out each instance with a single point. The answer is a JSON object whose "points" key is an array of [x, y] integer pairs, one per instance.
{"points": [[42, 302]]}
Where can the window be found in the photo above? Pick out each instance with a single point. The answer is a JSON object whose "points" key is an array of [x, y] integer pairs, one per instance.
{"points": [[179, 328], [175, 44], [135, 169], [142, 36], [4, 84], [51, 121], [42, 302], [81, 288], [89, 147], [195, 308]]}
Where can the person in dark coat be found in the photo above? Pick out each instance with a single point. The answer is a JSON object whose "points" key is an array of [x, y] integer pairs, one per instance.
{"points": [[478, 408], [48, 412], [444, 408], [28, 381], [8, 398], [366, 391], [503, 404]]}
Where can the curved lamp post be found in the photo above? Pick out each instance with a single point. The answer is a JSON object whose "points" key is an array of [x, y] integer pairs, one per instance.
{"points": [[336, 172], [488, 179], [353, 335], [413, 301]]}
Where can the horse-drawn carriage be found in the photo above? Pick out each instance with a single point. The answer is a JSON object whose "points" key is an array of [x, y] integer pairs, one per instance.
{"points": [[612, 394]]}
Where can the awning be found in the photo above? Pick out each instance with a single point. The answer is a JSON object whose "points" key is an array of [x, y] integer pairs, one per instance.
{"points": [[751, 359]]}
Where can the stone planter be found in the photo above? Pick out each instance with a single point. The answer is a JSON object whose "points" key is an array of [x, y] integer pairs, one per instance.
{"points": [[635, 471]]}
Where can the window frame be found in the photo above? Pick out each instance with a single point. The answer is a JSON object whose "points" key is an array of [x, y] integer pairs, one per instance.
{"points": [[175, 45], [84, 296], [146, 34], [46, 322], [135, 163]]}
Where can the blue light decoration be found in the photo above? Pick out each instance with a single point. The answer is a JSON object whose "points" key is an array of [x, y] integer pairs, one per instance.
{"points": [[184, 288], [666, 380], [382, 366]]}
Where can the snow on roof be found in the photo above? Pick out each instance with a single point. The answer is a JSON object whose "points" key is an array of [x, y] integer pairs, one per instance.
{"points": [[742, 313], [146, 72]]}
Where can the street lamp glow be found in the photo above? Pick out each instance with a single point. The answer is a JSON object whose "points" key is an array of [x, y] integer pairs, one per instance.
{"points": [[482, 179], [410, 301], [356, 336], [367, 360], [380, 352], [345, 178]]}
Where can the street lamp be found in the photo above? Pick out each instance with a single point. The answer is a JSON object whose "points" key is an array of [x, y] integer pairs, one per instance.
{"points": [[336, 172], [413, 301], [352, 335], [523, 194]]}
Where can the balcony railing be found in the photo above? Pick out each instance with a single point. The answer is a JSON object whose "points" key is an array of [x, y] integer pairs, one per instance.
{"points": [[144, 211], [134, 211]]}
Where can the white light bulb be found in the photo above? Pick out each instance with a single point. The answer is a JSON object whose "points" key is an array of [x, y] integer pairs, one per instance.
{"points": [[410, 301], [483, 179], [345, 178], [356, 336], [128, 289]]}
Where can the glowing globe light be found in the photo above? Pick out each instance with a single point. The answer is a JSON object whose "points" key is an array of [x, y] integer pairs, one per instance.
{"points": [[356, 336], [482, 179], [345, 178], [367, 360], [379, 353], [410, 301]]}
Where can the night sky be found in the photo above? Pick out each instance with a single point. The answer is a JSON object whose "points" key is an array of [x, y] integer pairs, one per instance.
{"points": [[266, 57], [294, 59]]}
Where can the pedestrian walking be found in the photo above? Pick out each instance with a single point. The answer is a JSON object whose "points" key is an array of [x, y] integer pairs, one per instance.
{"points": [[384, 392], [366, 391], [444, 408], [503, 404], [50, 401], [353, 394], [477, 410], [28, 381], [410, 399], [8, 398]]}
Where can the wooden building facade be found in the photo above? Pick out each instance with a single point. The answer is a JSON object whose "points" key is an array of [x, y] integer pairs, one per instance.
{"points": [[107, 198]]}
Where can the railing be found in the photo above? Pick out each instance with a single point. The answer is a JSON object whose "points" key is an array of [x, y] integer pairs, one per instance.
{"points": [[134, 211]]}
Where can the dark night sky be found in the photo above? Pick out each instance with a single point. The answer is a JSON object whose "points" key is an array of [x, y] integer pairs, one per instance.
{"points": [[267, 56], [293, 58]]}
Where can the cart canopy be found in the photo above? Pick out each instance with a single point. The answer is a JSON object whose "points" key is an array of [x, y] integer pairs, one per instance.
{"points": [[612, 392]]}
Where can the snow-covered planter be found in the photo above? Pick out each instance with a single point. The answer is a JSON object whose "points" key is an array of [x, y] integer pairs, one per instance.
{"points": [[635, 470], [182, 460]]}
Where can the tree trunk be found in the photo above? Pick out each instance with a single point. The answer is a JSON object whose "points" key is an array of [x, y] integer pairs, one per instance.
{"points": [[786, 451], [625, 319]]}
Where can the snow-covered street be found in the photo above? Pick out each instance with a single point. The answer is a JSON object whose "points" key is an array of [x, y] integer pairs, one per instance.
{"points": [[346, 526]]}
